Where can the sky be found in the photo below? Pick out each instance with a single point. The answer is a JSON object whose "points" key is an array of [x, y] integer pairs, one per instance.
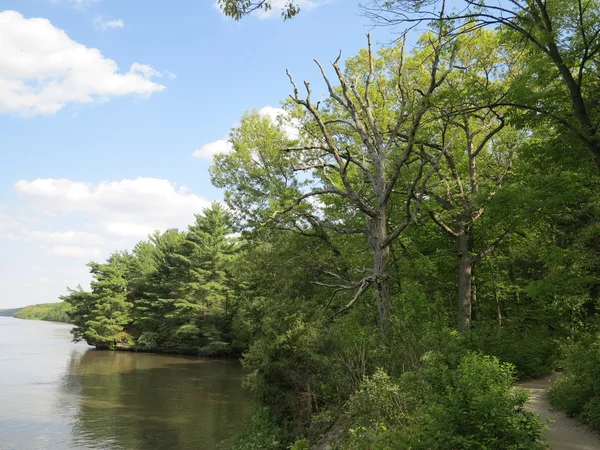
{"points": [[111, 110]]}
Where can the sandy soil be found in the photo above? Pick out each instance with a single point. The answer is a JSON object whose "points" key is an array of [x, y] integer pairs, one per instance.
{"points": [[564, 433]]}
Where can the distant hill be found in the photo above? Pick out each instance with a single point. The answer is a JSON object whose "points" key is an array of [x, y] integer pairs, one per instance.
{"points": [[9, 312], [56, 312]]}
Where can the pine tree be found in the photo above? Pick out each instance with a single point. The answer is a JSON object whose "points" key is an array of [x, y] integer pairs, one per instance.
{"points": [[201, 307]]}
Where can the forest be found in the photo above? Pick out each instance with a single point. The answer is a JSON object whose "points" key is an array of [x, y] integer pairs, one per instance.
{"points": [[55, 312], [392, 255]]}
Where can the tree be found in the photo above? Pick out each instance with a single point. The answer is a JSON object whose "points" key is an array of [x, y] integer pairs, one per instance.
{"points": [[201, 304], [162, 285], [476, 149], [82, 304], [102, 315], [362, 148], [559, 39], [237, 9]]}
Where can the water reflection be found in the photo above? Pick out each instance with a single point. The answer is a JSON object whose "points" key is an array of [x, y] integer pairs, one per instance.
{"points": [[109, 400]]}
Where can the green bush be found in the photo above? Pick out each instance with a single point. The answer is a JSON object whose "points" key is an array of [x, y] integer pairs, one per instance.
{"points": [[301, 444], [532, 351], [578, 391], [148, 340], [56, 312], [263, 433], [591, 412], [446, 406]]}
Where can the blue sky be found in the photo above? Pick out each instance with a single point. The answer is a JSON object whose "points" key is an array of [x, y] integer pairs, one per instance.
{"points": [[99, 125]]}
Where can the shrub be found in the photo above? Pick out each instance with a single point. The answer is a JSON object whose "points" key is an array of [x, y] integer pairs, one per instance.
{"points": [[124, 339], [591, 412], [531, 350], [446, 406], [263, 433], [578, 391], [301, 444], [148, 340]]}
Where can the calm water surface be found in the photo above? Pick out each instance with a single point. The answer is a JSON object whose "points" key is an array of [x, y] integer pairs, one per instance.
{"points": [[57, 395]]}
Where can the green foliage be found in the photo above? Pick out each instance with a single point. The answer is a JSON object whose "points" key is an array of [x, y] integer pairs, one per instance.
{"points": [[172, 293], [504, 197], [9, 312], [237, 9], [532, 349], [148, 340], [578, 390], [56, 312], [301, 444], [263, 433], [444, 405]]}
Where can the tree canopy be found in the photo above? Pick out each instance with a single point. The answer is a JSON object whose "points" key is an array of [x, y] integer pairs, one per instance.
{"points": [[390, 256]]}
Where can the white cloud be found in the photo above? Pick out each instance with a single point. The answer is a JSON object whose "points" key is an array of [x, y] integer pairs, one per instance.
{"points": [[145, 70], [126, 208], [69, 251], [209, 150], [7, 223], [9, 227], [42, 69], [104, 25], [279, 116], [171, 75], [65, 237], [125, 229]]}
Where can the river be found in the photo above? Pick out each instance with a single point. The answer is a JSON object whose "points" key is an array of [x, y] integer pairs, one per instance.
{"points": [[56, 395]]}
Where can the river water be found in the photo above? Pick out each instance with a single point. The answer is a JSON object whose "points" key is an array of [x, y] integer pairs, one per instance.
{"points": [[56, 395]]}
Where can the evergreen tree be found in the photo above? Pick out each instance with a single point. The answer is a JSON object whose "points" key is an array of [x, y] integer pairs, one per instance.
{"points": [[103, 315]]}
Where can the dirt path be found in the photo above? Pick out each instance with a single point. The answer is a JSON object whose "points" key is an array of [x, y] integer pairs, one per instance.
{"points": [[564, 433]]}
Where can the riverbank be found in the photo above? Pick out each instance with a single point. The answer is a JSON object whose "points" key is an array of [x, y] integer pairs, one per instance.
{"points": [[9, 312], [52, 312], [167, 351]]}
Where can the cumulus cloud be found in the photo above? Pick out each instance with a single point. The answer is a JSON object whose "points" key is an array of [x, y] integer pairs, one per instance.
{"points": [[277, 115], [209, 150], [101, 24], [126, 208], [65, 237], [42, 69], [290, 127], [145, 70], [70, 251], [128, 229]]}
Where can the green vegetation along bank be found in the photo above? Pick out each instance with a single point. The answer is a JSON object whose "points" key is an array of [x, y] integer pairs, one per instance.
{"points": [[395, 252], [9, 312], [56, 312]]}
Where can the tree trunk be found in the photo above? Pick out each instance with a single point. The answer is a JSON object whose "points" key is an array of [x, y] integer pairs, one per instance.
{"points": [[381, 260], [474, 305], [465, 280]]}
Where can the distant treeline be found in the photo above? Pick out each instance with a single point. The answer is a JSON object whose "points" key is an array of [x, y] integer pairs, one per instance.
{"points": [[56, 312], [9, 312]]}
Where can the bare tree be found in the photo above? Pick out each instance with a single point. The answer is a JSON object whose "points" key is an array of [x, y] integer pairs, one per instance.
{"points": [[387, 153]]}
